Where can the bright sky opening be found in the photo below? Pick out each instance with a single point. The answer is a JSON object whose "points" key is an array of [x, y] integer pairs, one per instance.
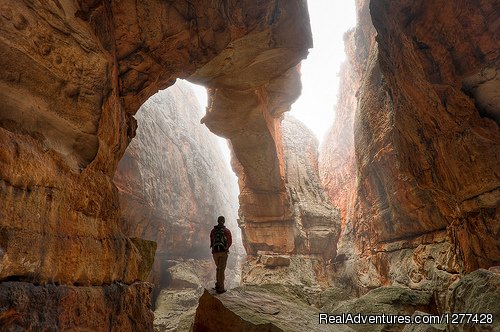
{"points": [[330, 19]]}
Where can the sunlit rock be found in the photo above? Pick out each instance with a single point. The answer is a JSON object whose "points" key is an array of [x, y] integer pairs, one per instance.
{"points": [[73, 74], [412, 160]]}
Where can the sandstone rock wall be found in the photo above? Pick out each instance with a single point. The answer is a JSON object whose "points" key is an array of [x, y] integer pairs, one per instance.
{"points": [[294, 251], [73, 74], [420, 175], [116, 307], [310, 222], [317, 221]]}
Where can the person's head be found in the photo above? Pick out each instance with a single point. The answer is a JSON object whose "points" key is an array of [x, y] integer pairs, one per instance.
{"points": [[221, 220]]}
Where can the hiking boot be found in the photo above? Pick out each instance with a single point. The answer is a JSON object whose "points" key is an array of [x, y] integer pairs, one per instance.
{"points": [[220, 291]]}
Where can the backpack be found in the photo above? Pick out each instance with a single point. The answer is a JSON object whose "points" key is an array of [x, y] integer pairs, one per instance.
{"points": [[219, 243]]}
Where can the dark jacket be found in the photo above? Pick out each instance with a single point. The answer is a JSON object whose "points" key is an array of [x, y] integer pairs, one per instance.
{"points": [[227, 232]]}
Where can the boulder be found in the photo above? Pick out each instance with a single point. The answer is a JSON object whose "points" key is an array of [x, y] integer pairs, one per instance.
{"points": [[258, 309], [477, 292], [383, 300], [275, 260]]}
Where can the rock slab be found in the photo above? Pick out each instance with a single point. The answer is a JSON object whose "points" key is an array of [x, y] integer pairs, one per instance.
{"points": [[258, 309]]}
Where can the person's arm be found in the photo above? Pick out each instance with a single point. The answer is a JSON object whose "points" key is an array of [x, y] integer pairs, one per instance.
{"points": [[229, 237], [211, 238]]}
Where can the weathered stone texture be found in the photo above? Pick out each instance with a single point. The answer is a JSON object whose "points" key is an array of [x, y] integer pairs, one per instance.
{"points": [[421, 172], [173, 184], [477, 292], [73, 74], [384, 300], [115, 307], [307, 222], [299, 270], [250, 308], [316, 220]]}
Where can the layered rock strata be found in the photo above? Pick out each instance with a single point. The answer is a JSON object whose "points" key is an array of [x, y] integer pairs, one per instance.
{"points": [[412, 160], [116, 307], [316, 220], [308, 223], [294, 251], [74, 73]]}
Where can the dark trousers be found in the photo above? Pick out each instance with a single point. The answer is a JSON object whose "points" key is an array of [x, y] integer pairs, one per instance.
{"points": [[220, 259]]}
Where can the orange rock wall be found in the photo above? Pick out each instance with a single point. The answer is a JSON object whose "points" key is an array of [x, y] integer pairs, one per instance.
{"points": [[73, 74], [418, 181]]}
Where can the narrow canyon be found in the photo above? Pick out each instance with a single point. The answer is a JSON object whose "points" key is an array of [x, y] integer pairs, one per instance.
{"points": [[111, 176]]}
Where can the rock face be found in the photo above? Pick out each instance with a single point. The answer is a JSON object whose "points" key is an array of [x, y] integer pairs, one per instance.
{"points": [[317, 221], [173, 181], [418, 181], [420, 176], [311, 224], [74, 73], [175, 309], [293, 251], [116, 307], [173, 184], [384, 300], [178, 298], [298, 270]]}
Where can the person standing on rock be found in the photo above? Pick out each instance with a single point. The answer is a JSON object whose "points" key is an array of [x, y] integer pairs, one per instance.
{"points": [[220, 241]]}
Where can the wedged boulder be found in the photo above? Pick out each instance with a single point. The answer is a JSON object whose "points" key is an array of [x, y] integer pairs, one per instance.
{"points": [[477, 292], [258, 309], [275, 260], [299, 270]]}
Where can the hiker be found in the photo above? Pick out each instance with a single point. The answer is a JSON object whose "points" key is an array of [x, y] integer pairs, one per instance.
{"points": [[220, 241]]}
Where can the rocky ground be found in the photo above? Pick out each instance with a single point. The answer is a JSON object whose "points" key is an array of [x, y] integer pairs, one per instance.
{"points": [[278, 307]]}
